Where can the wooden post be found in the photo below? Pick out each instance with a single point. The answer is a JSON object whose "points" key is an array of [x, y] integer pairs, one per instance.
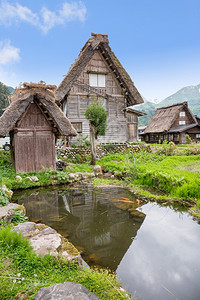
{"points": [[92, 144]]}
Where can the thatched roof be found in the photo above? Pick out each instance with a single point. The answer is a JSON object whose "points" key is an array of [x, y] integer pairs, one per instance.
{"points": [[164, 118], [45, 96], [99, 42]]}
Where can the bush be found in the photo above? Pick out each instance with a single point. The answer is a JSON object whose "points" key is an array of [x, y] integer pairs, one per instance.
{"points": [[4, 199]]}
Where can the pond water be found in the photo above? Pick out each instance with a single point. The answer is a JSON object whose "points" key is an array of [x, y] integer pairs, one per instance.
{"points": [[153, 249]]}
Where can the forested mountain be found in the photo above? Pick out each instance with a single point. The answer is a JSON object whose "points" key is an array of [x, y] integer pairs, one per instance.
{"points": [[5, 93], [191, 94]]}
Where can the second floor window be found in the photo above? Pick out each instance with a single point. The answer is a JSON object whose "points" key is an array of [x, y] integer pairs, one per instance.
{"points": [[182, 114], [181, 122], [97, 80]]}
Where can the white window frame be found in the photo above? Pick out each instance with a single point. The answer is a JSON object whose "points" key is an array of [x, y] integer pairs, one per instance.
{"points": [[97, 80], [182, 122], [182, 114], [197, 135]]}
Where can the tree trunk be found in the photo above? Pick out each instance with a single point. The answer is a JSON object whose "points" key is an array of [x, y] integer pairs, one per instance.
{"points": [[92, 144]]}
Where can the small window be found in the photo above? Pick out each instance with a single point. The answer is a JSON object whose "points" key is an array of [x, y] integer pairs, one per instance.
{"points": [[77, 126], [97, 80], [181, 122], [182, 114], [198, 135]]}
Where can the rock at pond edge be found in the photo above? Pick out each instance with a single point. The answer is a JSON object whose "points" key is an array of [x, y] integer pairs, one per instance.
{"points": [[65, 291]]}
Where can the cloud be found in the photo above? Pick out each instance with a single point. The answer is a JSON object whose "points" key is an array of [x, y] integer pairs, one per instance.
{"points": [[45, 19], [8, 53], [10, 13]]}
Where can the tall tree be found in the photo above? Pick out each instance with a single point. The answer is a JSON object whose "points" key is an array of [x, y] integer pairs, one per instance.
{"points": [[4, 97], [97, 116]]}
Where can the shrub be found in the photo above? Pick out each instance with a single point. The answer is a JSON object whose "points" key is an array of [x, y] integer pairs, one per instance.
{"points": [[188, 139], [19, 217], [4, 199]]}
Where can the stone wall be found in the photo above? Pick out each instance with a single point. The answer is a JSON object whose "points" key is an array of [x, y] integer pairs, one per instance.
{"points": [[82, 154]]}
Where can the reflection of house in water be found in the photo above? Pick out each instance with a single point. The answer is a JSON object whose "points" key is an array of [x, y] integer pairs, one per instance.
{"points": [[103, 231]]}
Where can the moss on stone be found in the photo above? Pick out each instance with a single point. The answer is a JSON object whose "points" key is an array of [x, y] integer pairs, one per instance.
{"points": [[40, 226], [69, 247]]}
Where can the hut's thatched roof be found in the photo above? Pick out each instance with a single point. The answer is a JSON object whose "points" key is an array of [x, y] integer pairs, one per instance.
{"points": [[44, 95], [164, 118], [99, 42]]}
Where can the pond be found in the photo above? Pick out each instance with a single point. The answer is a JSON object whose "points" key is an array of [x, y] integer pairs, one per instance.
{"points": [[153, 249]]}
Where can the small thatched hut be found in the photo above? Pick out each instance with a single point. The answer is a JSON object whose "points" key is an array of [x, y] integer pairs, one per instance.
{"points": [[34, 121], [172, 123]]}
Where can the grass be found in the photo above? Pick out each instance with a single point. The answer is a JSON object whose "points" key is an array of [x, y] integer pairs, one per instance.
{"points": [[46, 177], [106, 181], [175, 175], [23, 273], [81, 167], [169, 174]]}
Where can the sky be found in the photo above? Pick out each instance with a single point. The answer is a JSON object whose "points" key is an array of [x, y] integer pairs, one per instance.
{"points": [[157, 41]]}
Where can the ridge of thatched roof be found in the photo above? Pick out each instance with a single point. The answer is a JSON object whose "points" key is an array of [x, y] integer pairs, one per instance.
{"points": [[164, 117], [99, 42], [20, 100]]}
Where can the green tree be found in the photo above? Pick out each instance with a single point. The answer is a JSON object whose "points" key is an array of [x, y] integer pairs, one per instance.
{"points": [[97, 116], [4, 97]]}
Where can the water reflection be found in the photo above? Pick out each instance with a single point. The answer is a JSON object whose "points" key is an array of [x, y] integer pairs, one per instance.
{"points": [[92, 219], [163, 263], [154, 250]]}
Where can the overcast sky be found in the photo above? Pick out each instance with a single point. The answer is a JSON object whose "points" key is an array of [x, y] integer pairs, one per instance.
{"points": [[157, 41]]}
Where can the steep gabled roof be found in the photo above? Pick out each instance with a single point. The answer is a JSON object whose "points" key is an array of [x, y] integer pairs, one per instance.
{"points": [[99, 42], [164, 118], [45, 96]]}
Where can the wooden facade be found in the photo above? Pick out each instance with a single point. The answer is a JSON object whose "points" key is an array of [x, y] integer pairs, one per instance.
{"points": [[172, 123], [34, 121], [96, 62], [34, 141]]}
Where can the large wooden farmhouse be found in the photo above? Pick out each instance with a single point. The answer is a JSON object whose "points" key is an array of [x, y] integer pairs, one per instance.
{"points": [[97, 73], [33, 121], [172, 123]]}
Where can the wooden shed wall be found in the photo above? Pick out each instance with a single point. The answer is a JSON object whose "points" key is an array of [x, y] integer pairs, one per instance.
{"points": [[34, 142]]}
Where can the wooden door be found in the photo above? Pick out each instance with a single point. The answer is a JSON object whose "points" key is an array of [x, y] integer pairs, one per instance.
{"points": [[183, 139], [45, 155], [132, 132], [34, 142], [24, 151]]}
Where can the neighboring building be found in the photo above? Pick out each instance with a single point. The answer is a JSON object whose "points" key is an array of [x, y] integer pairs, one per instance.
{"points": [[34, 121], [172, 123], [98, 73], [141, 132]]}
